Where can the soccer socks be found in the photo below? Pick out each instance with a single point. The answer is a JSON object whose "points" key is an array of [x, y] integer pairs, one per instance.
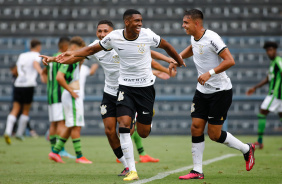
{"points": [[138, 142], [11, 119], [198, 146], [127, 147], [22, 125], [77, 147], [59, 145], [119, 154], [53, 139], [232, 142], [261, 126]]}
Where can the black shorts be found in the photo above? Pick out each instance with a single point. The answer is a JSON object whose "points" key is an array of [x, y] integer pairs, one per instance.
{"points": [[211, 107], [23, 95], [108, 106], [138, 99]]}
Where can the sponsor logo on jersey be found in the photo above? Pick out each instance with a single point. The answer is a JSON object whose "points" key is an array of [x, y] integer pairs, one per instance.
{"points": [[141, 48], [192, 107], [116, 59], [106, 40], [120, 96], [120, 49], [103, 109], [136, 81], [214, 45], [155, 40]]}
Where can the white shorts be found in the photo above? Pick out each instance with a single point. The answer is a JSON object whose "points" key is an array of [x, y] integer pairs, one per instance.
{"points": [[271, 104], [73, 109], [56, 112]]}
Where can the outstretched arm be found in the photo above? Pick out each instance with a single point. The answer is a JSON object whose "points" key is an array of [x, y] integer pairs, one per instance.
{"points": [[159, 56], [187, 52], [161, 68], [253, 89]]}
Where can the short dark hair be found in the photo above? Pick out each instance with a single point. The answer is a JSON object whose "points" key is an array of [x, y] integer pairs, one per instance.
{"points": [[270, 44], [77, 40], [64, 39], [128, 13], [109, 23], [34, 43], [194, 14]]}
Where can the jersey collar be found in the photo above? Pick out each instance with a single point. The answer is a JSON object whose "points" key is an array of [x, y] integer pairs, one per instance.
{"points": [[128, 39], [201, 37]]}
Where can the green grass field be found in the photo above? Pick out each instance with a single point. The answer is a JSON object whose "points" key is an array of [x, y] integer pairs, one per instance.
{"points": [[27, 162]]}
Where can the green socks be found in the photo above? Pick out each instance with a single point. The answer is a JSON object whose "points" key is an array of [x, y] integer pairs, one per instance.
{"points": [[52, 139], [138, 141], [77, 147], [261, 126], [59, 145]]}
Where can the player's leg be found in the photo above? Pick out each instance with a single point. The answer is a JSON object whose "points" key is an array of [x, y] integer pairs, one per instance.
{"points": [[11, 120], [24, 118], [261, 126], [52, 134]]}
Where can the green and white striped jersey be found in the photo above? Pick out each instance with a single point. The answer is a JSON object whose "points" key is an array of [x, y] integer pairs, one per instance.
{"points": [[275, 78]]}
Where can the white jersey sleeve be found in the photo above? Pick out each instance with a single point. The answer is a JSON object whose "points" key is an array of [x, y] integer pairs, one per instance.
{"points": [[153, 37], [217, 43], [106, 42]]}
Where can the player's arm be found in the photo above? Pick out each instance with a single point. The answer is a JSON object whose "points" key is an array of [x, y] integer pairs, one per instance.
{"points": [[71, 57], [44, 75], [260, 84], [227, 62], [161, 68], [93, 68], [62, 81], [186, 53], [160, 74], [159, 56]]}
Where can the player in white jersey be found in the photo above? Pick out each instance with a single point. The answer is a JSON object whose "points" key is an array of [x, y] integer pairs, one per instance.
{"points": [[28, 67], [213, 95], [136, 90]]}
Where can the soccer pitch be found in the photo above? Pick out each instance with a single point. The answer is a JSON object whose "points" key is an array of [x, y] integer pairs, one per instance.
{"points": [[27, 162]]}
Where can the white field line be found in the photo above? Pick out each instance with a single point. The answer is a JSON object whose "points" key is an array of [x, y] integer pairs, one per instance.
{"points": [[165, 174]]}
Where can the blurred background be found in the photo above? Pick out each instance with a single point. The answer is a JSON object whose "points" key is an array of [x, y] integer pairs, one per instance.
{"points": [[244, 26]]}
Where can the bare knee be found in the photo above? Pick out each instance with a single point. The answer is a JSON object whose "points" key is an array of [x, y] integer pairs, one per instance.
{"points": [[143, 134], [213, 135], [196, 130], [109, 131]]}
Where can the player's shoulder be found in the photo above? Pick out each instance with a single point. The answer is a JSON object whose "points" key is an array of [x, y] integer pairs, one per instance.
{"points": [[212, 34], [146, 31], [116, 33], [94, 42]]}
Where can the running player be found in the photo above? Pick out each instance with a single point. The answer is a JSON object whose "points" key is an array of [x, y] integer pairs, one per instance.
{"points": [[68, 78], [136, 90], [213, 95], [272, 102], [28, 67], [54, 94]]}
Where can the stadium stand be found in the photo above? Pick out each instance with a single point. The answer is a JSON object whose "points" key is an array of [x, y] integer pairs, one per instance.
{"points": [[243, 24]]}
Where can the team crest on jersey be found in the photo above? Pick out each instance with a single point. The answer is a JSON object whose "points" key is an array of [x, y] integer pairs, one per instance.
{"points": [[116, 59], [201, 49], [103, 109], [192, 107], [120, 96], [141, 48]]}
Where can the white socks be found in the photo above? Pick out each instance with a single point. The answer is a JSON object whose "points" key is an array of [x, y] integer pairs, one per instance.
{"points": [[123, 161], [127, 149], [22, 125], [11, 119], [233, 142], [197, 155]]}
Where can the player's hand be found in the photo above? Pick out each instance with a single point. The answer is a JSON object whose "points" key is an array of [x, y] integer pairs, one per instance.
{"points": [[250, 91], [74, 94], [64, 57], [183, 63], [161, 75], [172, 69], [204, 78], [47, 59]]}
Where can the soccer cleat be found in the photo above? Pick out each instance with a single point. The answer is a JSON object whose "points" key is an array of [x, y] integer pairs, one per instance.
{"points": [[20, 138], [117, 160], [132, 175], [250, 157], [147, 158], [124, 172], [258, 145], [192, 175], [33, 134], [56, 157], [7, 139], [65, 154], [83, 160]]}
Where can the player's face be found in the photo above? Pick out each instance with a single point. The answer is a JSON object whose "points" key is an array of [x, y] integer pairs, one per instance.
{"points": [[188, 25], [73, 47], [103, 30], [134, 23], [271, 53]]}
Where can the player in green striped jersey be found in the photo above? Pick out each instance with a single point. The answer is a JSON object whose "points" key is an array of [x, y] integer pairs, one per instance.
{"points": [[68, 78], [54, 93], [273, 100]]}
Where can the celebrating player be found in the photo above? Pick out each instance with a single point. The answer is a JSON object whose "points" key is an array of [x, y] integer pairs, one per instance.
{"points": [[272, 102], [213, 95]]}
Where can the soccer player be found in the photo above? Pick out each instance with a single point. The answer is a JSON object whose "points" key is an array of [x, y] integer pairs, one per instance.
{"points": [[213, 95], [54, 93], [136, 80], [28, 67], [272, 102], [68, 78]]}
